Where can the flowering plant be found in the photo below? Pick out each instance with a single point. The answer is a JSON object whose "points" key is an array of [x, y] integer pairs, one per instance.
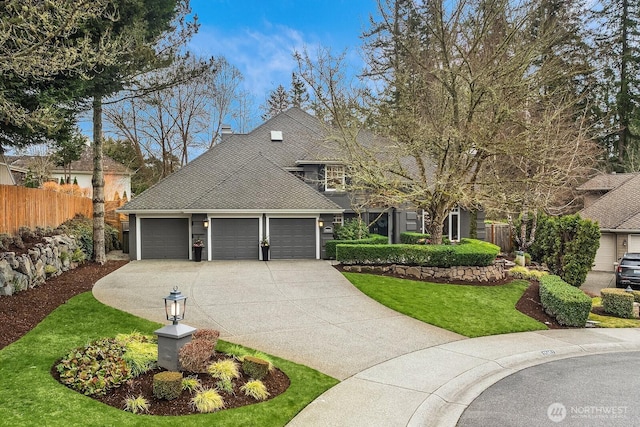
{"points": [[198, 243], [264, 241]]}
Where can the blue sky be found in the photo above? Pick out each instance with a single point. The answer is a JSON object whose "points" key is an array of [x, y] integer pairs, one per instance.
{"points": [[259, 36]]}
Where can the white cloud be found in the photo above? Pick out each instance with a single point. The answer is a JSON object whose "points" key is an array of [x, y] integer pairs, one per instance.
{"points": [[264, 56]]}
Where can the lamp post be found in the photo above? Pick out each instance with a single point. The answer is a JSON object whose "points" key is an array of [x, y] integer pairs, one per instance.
{"points": [[171, 338]]}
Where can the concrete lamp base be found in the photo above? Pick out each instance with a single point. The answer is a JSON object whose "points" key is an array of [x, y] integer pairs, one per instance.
{"points": [[171, 339]]}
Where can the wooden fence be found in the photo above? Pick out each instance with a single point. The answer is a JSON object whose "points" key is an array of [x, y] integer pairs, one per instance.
{"points": [[31, 207], [500, 234]]}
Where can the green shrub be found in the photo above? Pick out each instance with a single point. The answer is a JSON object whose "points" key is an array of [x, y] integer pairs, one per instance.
{"points": [[196, 355], [254, 367], [78, 256], [167, 385], [136, 404], [224, 369], [225, 385], [255, 389], [353, 229], [617, 302], [95, 368], [82, 228], [50, 270], [468, 252], [376, 239], [141, 357], [569, 305], [412, 238], [519, 272], [207, 400], [568, 246], [191, 384]]}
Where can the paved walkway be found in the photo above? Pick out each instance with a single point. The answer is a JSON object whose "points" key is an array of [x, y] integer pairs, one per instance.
{"points": [[395, 371]]}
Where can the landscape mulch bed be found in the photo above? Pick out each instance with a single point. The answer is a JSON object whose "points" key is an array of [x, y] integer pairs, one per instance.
{"points": [[276, 382]]}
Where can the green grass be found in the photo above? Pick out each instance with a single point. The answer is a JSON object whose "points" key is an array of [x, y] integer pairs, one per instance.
{"points": [[31, 396], [611, 321], [472, 311]]}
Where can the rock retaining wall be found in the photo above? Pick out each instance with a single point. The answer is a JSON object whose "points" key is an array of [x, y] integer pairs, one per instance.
{"points": [[493, 273], [20, 272]]}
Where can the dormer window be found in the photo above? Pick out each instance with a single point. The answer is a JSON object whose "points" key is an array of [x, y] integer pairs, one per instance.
{"points": [[334, 178]]}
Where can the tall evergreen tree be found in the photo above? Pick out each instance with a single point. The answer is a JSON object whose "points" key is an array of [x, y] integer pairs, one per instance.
{"points": [[617, 42], [277, 102], [298, 93]]}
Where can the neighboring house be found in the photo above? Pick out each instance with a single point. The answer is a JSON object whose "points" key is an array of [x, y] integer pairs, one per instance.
{"points": [[613, 200], [117, 177], [7, 171], [281, 180]]}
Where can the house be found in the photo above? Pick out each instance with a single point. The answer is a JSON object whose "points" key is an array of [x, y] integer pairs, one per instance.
{"points": [[613, 200], [117, 177], [281, 181], [7, 171]]}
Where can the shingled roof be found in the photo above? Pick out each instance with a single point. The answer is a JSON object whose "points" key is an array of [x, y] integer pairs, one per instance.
{"points": [[84, 164], [618, 209], [606, 182], [245, 172]]}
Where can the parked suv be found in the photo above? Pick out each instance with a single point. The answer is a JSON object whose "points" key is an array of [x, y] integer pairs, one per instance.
{"points": [[628, 271]]}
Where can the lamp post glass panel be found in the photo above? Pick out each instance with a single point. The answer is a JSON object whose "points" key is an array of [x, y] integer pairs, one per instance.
{"points": [[175, 305]]}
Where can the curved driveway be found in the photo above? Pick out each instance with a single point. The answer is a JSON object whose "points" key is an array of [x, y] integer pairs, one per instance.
{"points": [[304, 311]]}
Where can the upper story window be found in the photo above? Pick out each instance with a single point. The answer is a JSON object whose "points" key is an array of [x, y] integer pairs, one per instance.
{"points": [[334, 178]]}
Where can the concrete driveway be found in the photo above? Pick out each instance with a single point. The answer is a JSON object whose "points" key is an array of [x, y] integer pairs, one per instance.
{"points": [[304, 311]]}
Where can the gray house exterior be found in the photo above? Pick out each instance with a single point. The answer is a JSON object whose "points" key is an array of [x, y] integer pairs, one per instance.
{"points": [[280, 181]]}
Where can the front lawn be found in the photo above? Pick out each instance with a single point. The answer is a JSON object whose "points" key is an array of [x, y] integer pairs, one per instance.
{"points": [[472, 311], [611, 321], [30, 396]]}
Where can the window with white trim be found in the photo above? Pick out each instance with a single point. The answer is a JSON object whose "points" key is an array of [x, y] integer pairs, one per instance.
{"points": [[334, 178], [338, 219]]}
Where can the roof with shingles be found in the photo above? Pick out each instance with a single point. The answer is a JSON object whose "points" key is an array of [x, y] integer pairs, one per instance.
{"points": [[84, 164], [619, 209], [245, 171], [606, 182]]}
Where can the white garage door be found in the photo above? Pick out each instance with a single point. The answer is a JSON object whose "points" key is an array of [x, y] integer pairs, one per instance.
{"points": [[606, 254]]}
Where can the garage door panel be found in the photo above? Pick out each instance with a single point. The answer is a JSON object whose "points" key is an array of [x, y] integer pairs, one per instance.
{"points": [[292, 238], [164, 238], [606, 254], [235, 238]]}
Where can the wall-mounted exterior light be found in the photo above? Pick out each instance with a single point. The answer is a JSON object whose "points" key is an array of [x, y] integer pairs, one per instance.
{"points": [[205, 223]]}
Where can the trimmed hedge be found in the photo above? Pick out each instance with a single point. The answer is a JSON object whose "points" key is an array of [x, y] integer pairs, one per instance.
{"points": [[375, 239], [569, 305], [469, 252], [618, 302], [412, 238]]}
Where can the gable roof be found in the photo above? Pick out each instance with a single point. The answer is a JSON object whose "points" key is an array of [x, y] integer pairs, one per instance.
{"points": [[244, 172], [619, 209], [82, 165]]}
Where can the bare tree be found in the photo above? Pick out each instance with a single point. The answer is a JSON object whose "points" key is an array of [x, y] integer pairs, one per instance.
{"points": [[457, 82]]}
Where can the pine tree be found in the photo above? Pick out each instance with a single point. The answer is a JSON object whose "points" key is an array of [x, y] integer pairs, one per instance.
{"points": [[298, 93], [617, 42], [277, 103]]}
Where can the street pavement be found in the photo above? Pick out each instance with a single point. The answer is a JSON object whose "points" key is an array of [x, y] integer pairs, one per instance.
{"points": [[394, 370]]}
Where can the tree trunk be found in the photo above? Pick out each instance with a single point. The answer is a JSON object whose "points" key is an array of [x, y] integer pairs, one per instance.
{"points": [[99, 255]]}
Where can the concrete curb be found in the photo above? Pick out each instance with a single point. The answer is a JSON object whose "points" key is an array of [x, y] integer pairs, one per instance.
{"points": [[445, 406]]}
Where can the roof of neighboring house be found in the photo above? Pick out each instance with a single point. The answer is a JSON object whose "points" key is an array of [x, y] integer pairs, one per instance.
{"points": [[245, 171], [618, 209], [82, 165], [606, 182]]}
